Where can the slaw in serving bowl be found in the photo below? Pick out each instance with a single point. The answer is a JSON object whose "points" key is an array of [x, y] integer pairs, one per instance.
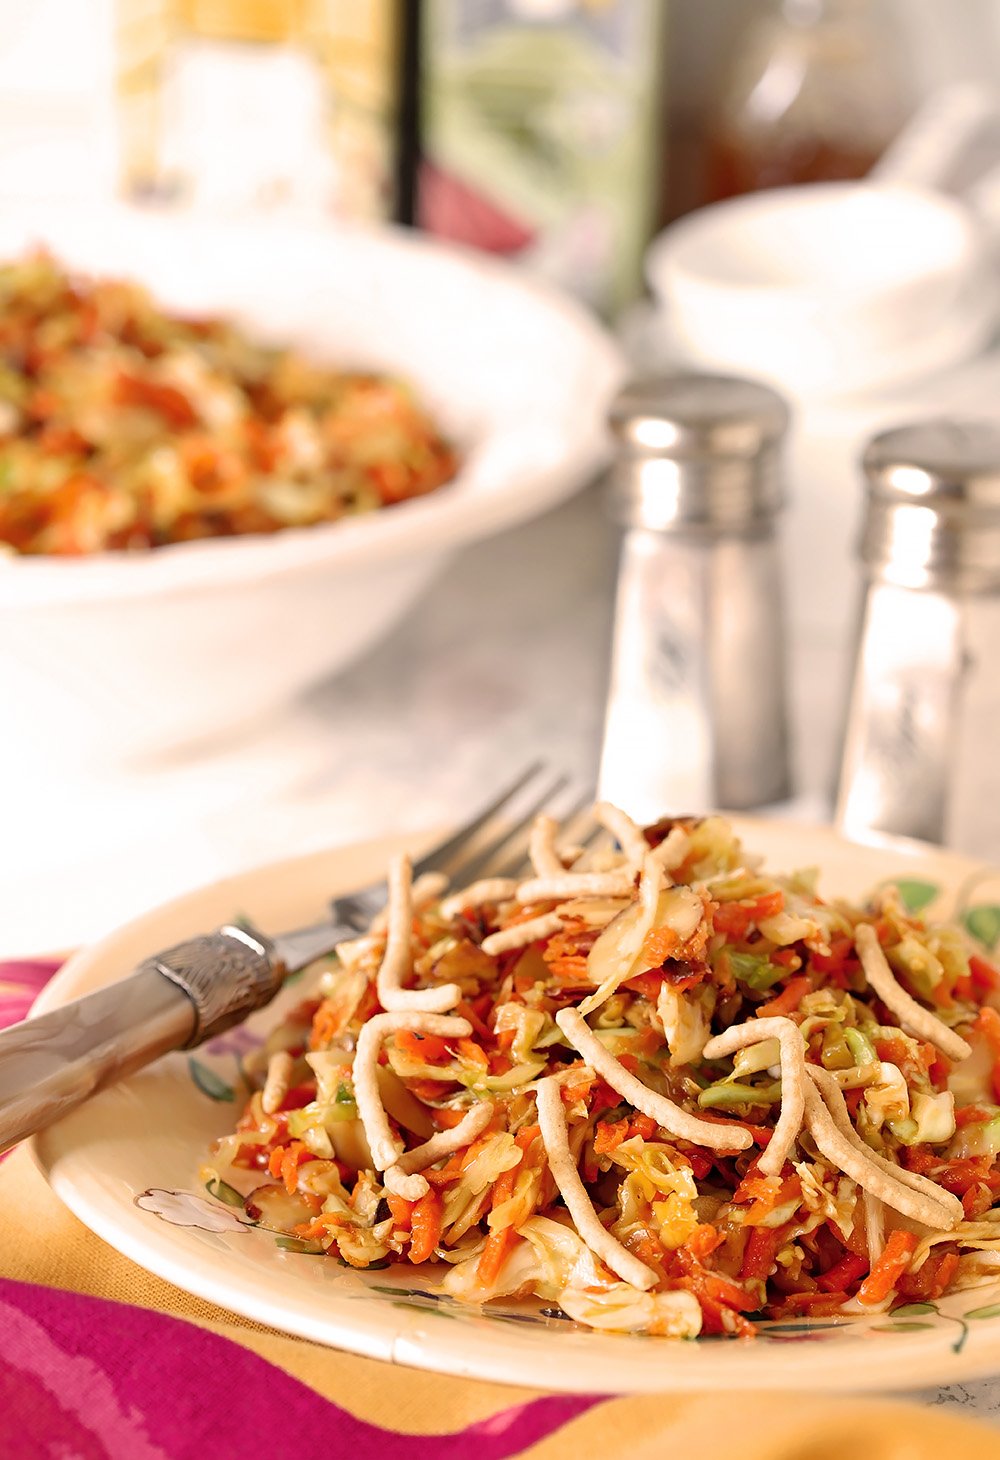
{"points": [[122, 654]]}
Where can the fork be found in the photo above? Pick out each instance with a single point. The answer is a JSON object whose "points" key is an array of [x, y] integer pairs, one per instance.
{"points": [[185, 995]]}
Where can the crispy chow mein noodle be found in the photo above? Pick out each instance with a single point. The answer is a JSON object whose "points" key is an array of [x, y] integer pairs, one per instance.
{"points": [[660, 1087]]}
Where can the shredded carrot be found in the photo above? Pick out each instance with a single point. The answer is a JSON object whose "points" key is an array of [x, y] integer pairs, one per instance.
{"points": [[503, 1187], [577, 1089], [402, 1210], [609, 1135], [499, 1241], [429, 1090], [889, 1268], [643, 1126], [294, 1156], [988, 1025], [774, 1196], [526, 1136], [703, 1241], [788, 1000], [494, 1254], [319, 1226], [446, 1118], [425, 1226], [754, 1185], [327, 1024], [473, 1053], [658, 945], [450, 1171], [284, 1162], [425, 1047]]}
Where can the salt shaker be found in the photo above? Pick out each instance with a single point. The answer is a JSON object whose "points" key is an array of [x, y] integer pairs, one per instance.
{"points": [[696, 714], [920, 747]]}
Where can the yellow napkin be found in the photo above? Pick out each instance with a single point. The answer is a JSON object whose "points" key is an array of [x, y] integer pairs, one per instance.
{"points": [[41, 1242]]}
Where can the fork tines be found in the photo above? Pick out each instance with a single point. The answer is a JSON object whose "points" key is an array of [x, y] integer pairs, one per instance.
{"points": [[496, 841]]}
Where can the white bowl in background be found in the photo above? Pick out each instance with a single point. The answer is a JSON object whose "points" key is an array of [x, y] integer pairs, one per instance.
{"points": [[827, 288], [131, 655]]}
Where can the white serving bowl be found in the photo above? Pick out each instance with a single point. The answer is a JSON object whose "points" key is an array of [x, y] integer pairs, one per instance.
{"points": [[131, 655]]}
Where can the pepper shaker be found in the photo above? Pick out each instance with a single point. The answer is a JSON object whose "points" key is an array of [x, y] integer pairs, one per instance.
{"points": [[696, 714], [920, 746]]}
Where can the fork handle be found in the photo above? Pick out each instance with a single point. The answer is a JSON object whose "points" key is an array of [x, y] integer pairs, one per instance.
{"points": [[174, 1000]]}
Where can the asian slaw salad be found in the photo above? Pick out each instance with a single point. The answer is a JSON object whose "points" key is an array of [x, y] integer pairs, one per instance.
{"points": [[653, 1084], [123, 427]]}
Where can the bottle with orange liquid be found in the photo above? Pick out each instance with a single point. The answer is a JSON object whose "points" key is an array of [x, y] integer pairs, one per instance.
{"points": [[813, 96]]}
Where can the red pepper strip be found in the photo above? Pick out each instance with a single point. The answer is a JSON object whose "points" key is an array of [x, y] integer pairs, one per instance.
{"points": [[971, 1115], [734, 918], [841, 952], [983, 974], [814, 1305], [758, 1257], [850, 1269]]}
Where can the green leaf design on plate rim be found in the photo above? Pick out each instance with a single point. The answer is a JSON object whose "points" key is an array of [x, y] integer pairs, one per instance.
{"points": [[983, 922], [222, 1191], [915, 894], [208, 1082]]}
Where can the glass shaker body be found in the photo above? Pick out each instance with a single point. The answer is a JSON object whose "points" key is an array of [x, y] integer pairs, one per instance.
{"points": [[696, 715], [920, 746]]}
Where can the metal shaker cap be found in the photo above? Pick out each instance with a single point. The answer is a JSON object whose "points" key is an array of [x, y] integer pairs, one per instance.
{"points": [[696, 452], [933, 509]]}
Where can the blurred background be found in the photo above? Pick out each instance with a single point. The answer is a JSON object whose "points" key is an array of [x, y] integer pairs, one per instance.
{"points": [[318, 105], [558, 139]]}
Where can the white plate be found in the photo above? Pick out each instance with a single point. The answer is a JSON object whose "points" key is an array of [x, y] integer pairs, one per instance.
{"points": [[145, 1140]]}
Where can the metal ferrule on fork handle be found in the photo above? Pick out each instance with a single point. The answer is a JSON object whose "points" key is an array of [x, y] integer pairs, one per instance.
{"points": [[174, 1000]]}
